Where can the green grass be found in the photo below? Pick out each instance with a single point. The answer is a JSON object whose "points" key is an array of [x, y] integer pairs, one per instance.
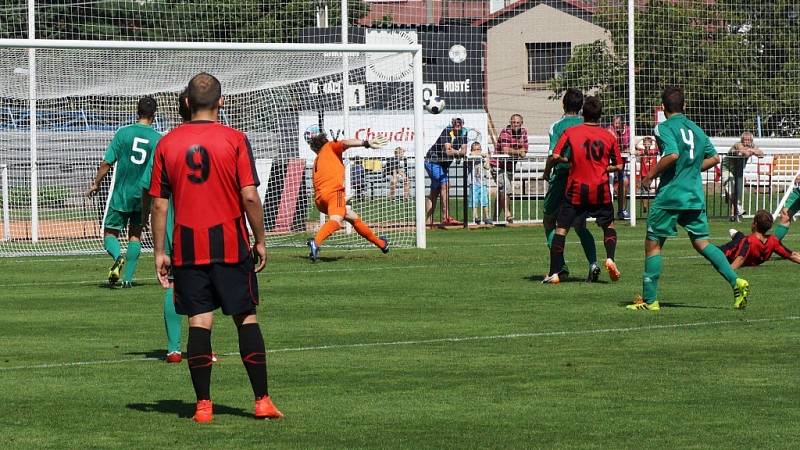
{"points": [[455, 346]]}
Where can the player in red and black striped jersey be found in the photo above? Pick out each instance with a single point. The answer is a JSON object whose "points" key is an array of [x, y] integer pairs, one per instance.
{"points": [[592, 153], [757, 247], [209, 172]]}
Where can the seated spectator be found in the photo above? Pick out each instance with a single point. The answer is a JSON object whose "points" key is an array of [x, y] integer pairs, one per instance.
{"points": [[357, 177], [647, 151], [395, 168], [513, 141]]}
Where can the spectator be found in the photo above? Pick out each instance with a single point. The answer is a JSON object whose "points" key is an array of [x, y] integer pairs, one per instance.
{"points": [[478, 171], [734, 166], [357, 177], [622, 132], [451, 143], [396, 171], [513, 141], [647, 150]]}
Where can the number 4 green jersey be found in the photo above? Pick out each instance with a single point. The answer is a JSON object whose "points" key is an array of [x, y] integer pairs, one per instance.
{"points": [[132, 149], [681, 185]]}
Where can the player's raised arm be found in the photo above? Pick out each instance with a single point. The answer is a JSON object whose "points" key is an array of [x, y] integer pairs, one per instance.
{"points": [[376, 142]]}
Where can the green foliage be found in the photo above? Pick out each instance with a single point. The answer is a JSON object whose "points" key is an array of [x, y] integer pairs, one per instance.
{"points": [[205, 21], [735, 60]]}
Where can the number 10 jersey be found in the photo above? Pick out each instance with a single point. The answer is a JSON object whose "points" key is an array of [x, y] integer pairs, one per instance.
{"points": [[590, 150]]}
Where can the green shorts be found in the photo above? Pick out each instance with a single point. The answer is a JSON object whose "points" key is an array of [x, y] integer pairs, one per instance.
{"points": [[793, 202], [554, 196], [117, 220], [662, 223]]}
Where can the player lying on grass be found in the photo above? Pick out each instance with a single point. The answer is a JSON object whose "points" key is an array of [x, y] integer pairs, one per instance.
{"points": [[757, 247], [592, 153], [329, 191]]}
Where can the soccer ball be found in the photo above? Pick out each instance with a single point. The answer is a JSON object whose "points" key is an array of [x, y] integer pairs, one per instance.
{"points": [[435, 105]]}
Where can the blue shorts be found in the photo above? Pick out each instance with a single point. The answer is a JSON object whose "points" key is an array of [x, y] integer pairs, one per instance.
{"points": [[438, 174], [480, 194]]}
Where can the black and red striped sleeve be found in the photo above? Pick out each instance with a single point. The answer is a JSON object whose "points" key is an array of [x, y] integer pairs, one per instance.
{"points": [[159, 180], [246, 164]]}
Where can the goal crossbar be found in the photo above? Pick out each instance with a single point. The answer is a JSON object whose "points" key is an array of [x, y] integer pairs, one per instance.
{"points": [[210, 46]]}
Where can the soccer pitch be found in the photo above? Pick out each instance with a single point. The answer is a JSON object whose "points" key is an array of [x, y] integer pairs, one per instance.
{"points": [[455, 346]]}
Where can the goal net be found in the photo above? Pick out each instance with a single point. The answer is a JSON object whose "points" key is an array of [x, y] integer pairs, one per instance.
{"points": [[277, 97]]}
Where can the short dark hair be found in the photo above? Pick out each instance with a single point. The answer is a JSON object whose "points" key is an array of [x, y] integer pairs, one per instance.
{"points": [[672, 99], [762, 221], [183, 108], [572, 101], [318, 141], [146, 109], [204, 91], [592, 109]]}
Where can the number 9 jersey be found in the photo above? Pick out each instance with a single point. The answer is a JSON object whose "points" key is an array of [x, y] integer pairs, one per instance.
{"points": [[204, 165], [590, 150]]}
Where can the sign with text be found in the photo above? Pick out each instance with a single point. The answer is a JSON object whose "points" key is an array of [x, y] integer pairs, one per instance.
{"points": [[398, 127]]}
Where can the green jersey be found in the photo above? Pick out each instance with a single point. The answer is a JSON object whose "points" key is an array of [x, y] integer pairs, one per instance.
{"points": [[144, 183], [681, 185], [132, 150], [561, 170]]}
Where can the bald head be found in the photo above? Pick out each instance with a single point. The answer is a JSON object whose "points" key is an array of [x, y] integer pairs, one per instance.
{"points": [[204, 92]]}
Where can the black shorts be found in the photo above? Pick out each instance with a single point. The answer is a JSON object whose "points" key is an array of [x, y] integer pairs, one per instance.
{"points": [[568, 214], [202, 289]]}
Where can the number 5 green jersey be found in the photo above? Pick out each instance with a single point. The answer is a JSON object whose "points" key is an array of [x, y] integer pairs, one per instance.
{"points": [[681, 185], [132, 149]]}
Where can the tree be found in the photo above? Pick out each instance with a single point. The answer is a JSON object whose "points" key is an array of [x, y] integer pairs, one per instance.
{"points": [[737, 62], [188, 20]]}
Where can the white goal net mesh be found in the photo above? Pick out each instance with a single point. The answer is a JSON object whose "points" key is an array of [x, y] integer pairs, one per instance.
{"points": [[275, 97]]}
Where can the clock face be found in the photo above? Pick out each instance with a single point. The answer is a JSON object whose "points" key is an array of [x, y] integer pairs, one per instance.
{"points": [[458, 53], [399, 67]]}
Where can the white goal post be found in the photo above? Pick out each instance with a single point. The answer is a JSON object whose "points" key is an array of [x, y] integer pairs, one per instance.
{"points": [[61, 101]]}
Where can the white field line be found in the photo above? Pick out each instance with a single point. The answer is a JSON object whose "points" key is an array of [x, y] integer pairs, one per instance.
{"points": [[436, 341]]}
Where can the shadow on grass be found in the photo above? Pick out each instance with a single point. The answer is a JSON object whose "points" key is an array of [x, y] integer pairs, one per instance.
{"points": [[539, 278], [322, 258], [676, 305], [155, 354], [184, 409]]}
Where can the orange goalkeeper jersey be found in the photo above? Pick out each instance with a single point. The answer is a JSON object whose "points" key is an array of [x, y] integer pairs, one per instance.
{"points": [[329, 169]]}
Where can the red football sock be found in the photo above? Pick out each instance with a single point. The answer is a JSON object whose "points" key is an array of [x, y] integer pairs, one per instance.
{"points": [[328, 229], [365, 231]]}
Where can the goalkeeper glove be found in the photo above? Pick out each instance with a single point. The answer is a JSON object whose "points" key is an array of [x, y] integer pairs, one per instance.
{"points": [[376, 142]]}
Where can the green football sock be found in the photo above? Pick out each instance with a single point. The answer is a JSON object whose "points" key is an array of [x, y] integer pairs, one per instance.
{"points": [[172, 323], [131, 258], [652, 272], [780, 231], [587, 242], [111, 244], [717, 259], [549, 235]]}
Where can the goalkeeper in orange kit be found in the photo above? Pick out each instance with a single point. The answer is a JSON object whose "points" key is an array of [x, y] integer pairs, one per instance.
{"points": [[329, 190]]}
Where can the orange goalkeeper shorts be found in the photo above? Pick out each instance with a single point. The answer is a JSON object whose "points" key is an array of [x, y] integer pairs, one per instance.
{"points": [[332, 204]]}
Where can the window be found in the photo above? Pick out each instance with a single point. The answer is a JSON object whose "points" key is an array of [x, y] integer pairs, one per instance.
{"points": [[546, 60]]}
